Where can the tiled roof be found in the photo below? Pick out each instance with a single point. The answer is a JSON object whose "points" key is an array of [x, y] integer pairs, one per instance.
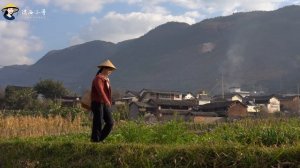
{"points": [[173, 102], [219, 105], [259, 99], [227, 96], [161, 91], [143, 105]]}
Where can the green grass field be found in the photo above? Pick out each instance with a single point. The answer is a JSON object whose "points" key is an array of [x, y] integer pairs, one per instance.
{"points": [[272, 142]]}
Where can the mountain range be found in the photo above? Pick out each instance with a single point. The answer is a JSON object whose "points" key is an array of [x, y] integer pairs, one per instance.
{"points": [[257, 50]]}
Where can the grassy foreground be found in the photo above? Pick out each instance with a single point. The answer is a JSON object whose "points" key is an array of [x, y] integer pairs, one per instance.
{"points": [[271, 142], [72, 154]]}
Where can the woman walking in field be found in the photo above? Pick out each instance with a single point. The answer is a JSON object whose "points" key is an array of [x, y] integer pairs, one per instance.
{"points": [[101, 102]]}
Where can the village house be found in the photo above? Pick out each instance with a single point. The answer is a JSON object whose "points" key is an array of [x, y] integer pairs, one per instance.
{"points": [[203, 98], [227, 97], [290, 104], [253, 108], [130, 96], [188, 96], [228, 109], [172, 109], [147, 94], [206, 117], [140, 109], [238, 90], [70, 101], [270, 103], [163, 110]]}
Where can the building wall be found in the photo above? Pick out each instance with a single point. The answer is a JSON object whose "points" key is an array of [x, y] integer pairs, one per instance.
{"points": [[253, 109], [163, 96], [236, 98], [189, 96], [237, 110], [133, 111], [291, 105], [171, 114], [178, 116], [178, 97], [202, 102], [134, 99], [274, 105]]}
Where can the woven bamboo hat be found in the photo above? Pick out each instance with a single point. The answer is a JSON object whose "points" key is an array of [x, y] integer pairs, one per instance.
{"points": [[16, 9], [107, 63]]}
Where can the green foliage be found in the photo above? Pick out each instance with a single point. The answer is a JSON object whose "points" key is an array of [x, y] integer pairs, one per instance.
{"points": [[172, 132], [77, 154], [22, 98], [263, 132], [51, 89], [120, 112], [47, 108], [271, 142]]}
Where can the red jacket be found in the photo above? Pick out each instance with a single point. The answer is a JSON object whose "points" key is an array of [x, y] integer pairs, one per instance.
{"points": [[100, 91]]}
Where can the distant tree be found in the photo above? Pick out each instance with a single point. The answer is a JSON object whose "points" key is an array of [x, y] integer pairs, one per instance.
{"points": [[51, 89], [19, 98]]}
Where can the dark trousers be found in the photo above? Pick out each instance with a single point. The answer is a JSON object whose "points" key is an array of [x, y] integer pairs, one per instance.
{"points": [[101, 112]]}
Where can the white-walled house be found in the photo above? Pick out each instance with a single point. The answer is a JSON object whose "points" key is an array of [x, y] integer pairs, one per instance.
{"points": [[203, 98], [147, 94], [188, 96], [254, 108], [271, 103], [274, 105]]}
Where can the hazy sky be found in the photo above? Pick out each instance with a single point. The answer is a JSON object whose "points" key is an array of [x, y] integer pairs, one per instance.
{"points": [[56, 24]]}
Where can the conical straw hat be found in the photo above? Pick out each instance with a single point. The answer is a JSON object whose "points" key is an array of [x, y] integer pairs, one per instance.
{"points": [[16, 9], [107, 63]]}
